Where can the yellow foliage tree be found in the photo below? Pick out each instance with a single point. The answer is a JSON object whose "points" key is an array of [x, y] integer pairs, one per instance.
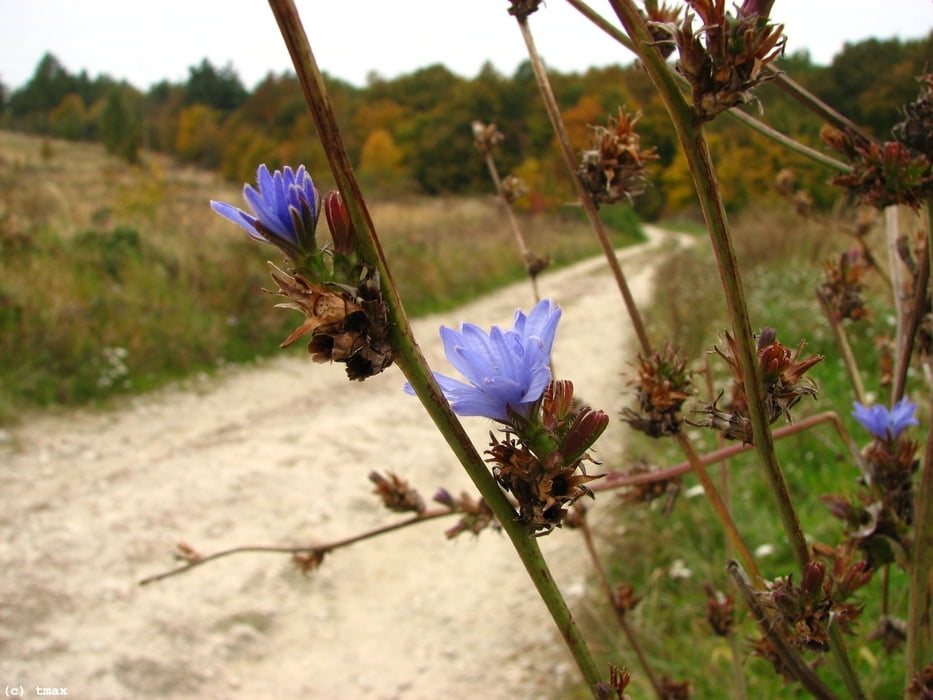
{"points": [[380, 159], [199, 138]]}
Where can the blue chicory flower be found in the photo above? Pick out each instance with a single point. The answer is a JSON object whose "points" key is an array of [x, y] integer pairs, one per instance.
{"points": [[885, 424], [507, 369], [285, 210]]}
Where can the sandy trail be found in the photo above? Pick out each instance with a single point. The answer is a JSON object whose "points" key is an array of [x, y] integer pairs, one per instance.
{"points": [[94, 501]]}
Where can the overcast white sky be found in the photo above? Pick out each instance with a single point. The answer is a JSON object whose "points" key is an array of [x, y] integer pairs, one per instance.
{"points": [[148, 41]]}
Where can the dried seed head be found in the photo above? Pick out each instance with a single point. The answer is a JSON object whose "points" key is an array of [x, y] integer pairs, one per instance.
{"points": [[544, 493], [662, 385], [346, 324], [624, 599], [615, 167], [396, 494], [916, 130], [513, 188], [725, 58], [485, 136], [720, 612], [882, 174], [522, 8], [841, 287]]}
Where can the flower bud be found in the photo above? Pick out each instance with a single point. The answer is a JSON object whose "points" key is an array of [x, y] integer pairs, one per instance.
{"points": [[338, 220]]}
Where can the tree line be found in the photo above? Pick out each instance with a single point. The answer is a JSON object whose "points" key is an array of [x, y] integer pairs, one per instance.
{"points": [[413, 133]]}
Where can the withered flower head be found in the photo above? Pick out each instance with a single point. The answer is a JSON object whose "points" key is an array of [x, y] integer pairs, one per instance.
{"points": [[916, 131], [522, 8], [921, 686], [662, 385], [720, 611], [883, 174], [726, 56], [346, 324], [513, 188], [396, 493], [841, 287], [732, 424], [544, 492], [485, 136], [891, 632], [619, 678], [674, 690], [614, 169], [662, 24], [644, 491], [624, 599], [308, 561], [477, 515], [782, 372]]}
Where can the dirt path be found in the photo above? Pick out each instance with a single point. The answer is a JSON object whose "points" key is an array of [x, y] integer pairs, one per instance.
{"points": [[94, 501]]}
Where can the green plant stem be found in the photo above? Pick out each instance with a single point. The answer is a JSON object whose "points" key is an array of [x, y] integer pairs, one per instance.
{"points": [[837, 646], [513, 222], [408, 354], [913, 317], [695, 147], [800, 669], [845, 350], [589, 206], [920, 589], [736, 113], [619, 613], [721, 510], [586, 201]]}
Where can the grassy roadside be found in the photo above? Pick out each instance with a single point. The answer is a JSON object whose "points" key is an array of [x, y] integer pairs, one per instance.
{"points": [[116, 280], [669, 556]]}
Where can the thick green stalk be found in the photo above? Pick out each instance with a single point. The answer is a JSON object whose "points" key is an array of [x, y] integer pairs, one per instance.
{"points": [[408, 354], [695, 148]]}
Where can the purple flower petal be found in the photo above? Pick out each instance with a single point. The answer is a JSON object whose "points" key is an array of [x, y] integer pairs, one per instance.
{"points": [[508, 370], [284, 207]]}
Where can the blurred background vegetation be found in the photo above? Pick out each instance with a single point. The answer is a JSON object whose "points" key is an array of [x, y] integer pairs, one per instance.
{"points": [[115, 276], [412, 133]]}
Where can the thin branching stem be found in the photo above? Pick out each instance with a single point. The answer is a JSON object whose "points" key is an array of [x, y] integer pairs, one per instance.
{"points": [[586, 201], [845, 350], [614, 480], [838, 647], [513, 222], [919, 627], [408, 354], [690, 133], [720, 508], [325, 548], [620, 614]]}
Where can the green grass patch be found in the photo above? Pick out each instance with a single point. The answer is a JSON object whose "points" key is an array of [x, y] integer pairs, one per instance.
{"points": [[653, 549]]}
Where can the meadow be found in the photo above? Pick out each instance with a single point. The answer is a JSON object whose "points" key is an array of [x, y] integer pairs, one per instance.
{"points": [[117, 279]]}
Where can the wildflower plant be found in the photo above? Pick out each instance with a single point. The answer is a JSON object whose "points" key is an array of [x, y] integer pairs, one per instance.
{"points": [[533, 470]]}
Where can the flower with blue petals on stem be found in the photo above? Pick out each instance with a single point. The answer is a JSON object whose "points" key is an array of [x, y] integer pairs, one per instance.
{"points": [[508, 370], [884, 424], [285, 211]]}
